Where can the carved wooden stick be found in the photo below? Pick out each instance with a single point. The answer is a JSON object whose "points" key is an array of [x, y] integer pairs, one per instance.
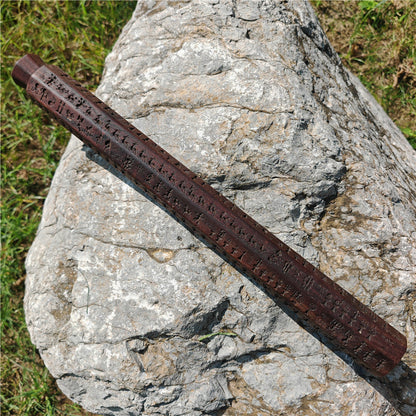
{"points": [[351, 326]]}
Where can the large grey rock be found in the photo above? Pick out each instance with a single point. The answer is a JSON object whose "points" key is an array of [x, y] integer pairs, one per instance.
{"points": [[250, 95]]}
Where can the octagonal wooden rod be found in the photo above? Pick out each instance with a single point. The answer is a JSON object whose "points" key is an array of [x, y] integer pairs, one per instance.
{"points": [[351, 326]]}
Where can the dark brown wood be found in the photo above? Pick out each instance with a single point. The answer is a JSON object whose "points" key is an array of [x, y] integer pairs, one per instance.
{"points": [[346, 322]]}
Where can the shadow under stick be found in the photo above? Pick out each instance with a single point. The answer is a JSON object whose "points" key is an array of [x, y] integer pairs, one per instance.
{"points": [[347, 323]]}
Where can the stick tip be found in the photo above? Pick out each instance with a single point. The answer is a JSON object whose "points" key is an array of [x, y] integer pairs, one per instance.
{"points": [[25, 67]]}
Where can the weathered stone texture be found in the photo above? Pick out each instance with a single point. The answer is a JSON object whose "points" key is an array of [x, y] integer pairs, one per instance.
{"points": [[250, 95]]}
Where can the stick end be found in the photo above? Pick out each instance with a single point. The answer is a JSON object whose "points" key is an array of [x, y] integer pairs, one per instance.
{"points": [[25, 67]]}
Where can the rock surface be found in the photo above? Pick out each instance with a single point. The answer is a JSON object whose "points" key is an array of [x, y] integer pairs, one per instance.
{"points": [[251, 96]]}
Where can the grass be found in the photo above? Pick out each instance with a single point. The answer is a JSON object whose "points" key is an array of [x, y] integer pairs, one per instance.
{"points": [[77, 36], [374, 39]]}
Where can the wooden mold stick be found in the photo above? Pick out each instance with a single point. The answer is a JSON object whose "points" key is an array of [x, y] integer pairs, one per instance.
{"points": [[333, 312]]}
